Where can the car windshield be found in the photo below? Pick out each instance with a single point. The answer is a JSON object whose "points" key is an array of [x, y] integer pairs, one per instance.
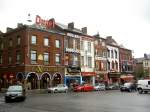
{"points": [[127, 84], [14, 88]]}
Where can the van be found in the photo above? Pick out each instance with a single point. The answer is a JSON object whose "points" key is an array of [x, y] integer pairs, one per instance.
{"points": [[143, 86]]}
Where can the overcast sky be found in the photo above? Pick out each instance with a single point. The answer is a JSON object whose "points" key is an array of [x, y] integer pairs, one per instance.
{"points": [[127, 21]]}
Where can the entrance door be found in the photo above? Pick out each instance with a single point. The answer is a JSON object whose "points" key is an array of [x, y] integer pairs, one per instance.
{"points": [[32, 81]]}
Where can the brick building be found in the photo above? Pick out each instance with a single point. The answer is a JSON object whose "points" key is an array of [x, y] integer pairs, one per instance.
{"points": [[33, 55]]}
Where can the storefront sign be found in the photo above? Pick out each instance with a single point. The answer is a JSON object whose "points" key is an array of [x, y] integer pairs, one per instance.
{"points": [[72, 50], [47, 23], [41, 69], [88, 73], [73, 35]]}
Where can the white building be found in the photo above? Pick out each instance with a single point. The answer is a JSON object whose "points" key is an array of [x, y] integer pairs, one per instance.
{"points": [[87, 59]]}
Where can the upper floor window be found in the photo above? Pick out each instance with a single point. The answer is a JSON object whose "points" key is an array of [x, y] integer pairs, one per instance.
{"points": [[18, 57], [82, 60], [108, 52], [75, 44], [33, 39], [46, 41], [10, 42], [46, 58], [89, 46], [1, 58], [18, 40], [82, 45], [33, 57], [9, 58], [90, 62], [1, 45], [57, 43], [66, 43], [116, 54], [75, 60], [112, 54], [57, 59]]}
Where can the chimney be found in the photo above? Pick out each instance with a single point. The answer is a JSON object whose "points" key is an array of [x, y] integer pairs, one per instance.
{"points": [[19, 25], [9, 29], [71, 25], [84, 30]]}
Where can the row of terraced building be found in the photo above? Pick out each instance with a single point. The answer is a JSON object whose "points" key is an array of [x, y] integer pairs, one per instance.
{"points": [[48, 53]]}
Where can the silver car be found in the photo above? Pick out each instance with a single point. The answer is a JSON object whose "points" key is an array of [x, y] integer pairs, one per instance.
{"points": [[58, 88], [99, 86]]}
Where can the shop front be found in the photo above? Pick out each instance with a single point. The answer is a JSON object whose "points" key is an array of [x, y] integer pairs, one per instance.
{"points": [[72, 75], [114, 77], [88, 77]]}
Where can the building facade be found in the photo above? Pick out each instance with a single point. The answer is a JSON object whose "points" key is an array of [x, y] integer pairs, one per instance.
{"points": [[100, 59], [32, 55]]}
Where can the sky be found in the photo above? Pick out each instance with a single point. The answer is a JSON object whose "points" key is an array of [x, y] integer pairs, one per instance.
{"points": [[127, 21]]}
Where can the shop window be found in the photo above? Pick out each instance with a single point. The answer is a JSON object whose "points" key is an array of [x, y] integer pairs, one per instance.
{"points": [[33, 39], [46, 58], [33, 57]]}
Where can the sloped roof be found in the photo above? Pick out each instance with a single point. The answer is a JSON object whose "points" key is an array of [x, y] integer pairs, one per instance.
{"points": [[65, 27]]}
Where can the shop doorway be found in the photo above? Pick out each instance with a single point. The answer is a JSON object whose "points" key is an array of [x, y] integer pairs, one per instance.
{"points": [[45, 80], [20, 78], [32, 81], [56, 79]]}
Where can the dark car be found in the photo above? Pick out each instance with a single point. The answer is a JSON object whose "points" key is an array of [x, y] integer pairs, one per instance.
{"points": [[129, 87], [15, 92]]}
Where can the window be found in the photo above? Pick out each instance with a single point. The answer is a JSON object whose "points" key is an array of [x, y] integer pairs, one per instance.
{"points": [[9, 59], [75, 60], [75, 44], [1, 59], [10, 43], [18, 57], [33, 57], [82, 45], [1, 45], [116, 54], [57, 43], [82, 60], [18, 40], [148, 82], [46, 42], [46, 58], [57, 59], [112, 54], [33, 39], [66, 43], [108, 51], [90, 62], [89, 46]]}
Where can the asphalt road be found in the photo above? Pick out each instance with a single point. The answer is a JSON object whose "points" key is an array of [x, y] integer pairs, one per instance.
{"points": [[105, 101]]}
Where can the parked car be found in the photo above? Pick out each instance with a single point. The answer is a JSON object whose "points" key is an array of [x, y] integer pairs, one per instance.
{"points": [[143, 86], [84, 87], [112, 87], [99, 86], [128, 87], [58, 88], [15, 92]]}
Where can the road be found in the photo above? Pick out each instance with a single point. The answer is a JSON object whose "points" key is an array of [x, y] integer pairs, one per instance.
{"points": [[104, 101]]}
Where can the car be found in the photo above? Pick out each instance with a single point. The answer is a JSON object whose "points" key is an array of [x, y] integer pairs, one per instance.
{"points": [[83, 88], [15, 92], [99, 86], [143, 86], [58, 88], [128, 87], [112, 87]]}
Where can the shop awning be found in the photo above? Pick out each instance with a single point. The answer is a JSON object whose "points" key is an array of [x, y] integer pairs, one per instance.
{"points": [[88, 73]]}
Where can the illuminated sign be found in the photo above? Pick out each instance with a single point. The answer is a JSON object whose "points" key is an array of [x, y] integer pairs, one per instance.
{"points": [[47, 23]]}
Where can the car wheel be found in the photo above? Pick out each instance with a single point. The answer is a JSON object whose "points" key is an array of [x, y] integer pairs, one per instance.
{"points": [[55, 91], [140, 91], [145, 92]]}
